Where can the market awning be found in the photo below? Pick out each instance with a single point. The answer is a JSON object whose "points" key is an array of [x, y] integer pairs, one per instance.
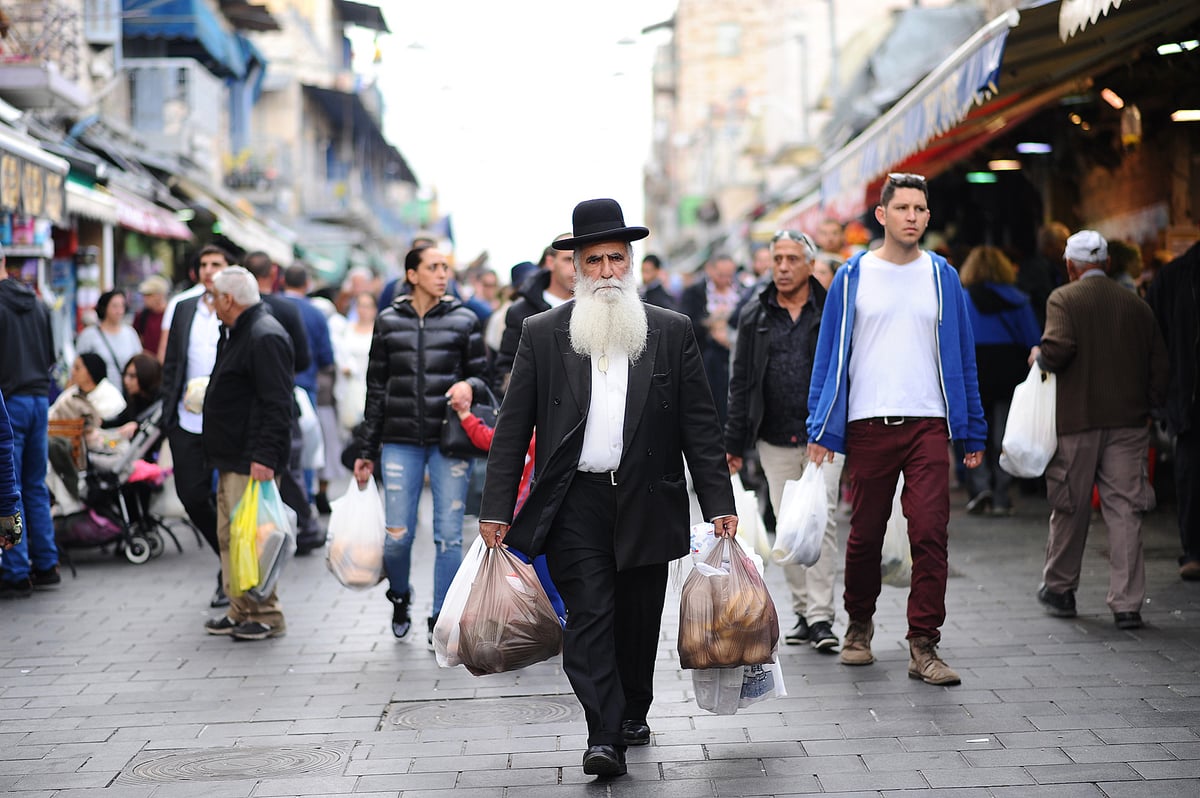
{"points": [[32, 181], [188, 21], [1075, 15], [362, 15], [248, 16], [143, 216], [342, 107], [90, 203]]}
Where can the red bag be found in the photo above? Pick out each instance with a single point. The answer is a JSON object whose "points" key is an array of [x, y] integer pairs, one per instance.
{"points": [[508, 622]]}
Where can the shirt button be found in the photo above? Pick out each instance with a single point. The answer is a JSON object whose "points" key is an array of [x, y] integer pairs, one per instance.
{"points": [[665, 405], [556, 400]]}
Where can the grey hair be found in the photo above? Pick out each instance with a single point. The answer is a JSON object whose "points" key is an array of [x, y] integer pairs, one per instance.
{"points": [[803, 239], [577, 254], [239, 284]]}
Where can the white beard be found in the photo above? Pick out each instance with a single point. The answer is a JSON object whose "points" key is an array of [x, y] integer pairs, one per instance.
{"points": [[608, 317]]}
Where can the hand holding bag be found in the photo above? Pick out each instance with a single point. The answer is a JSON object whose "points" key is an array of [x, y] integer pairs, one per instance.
{"points": [[357, 531], [1031, 434], [803, 514], [454, 441]]}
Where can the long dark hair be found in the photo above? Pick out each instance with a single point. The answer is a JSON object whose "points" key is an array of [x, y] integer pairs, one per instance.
{"points": [[149, 375]]}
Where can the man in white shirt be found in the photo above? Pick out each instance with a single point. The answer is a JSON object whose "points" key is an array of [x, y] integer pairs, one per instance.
{"points": [[617, 392], [893, 382]]}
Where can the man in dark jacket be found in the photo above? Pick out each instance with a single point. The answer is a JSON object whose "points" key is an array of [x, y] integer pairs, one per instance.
{"points": [[710, 303], [653, 290], [768, 410], [1175, 297], [247, 428], [548, 288], [26, 356], [617, 393]]}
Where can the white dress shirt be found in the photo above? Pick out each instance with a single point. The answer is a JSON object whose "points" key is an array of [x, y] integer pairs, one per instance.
{"points": [[603, 434]]}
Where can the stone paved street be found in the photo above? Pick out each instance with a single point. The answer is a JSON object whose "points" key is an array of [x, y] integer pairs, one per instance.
{"points": [[109, 686]]}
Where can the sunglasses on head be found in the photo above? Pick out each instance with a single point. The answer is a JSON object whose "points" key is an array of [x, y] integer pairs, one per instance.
{"points": [[900, 179], [792, 235]]}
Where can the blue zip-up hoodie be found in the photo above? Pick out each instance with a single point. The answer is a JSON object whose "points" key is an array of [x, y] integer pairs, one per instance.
{"points": [[828, 391]]}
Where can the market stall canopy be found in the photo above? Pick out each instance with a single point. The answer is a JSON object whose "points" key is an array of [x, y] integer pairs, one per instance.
{"points": [[32, 181]]}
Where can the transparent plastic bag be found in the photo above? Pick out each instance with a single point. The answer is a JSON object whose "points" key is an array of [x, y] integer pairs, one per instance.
{"points": [[751, 529], [726, 615], [357, 532], [275, 540], [895, 562], [1030, 435], [803, 514], [243, 548], [445, 631], [508, 622]]}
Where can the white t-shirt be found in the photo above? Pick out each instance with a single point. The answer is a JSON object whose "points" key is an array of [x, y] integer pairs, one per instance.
{"points": [[554, 301], [173, 302], [201, 357], [894, 359]]}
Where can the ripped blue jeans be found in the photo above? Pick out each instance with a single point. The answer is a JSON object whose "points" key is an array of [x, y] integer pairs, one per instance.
{"points": [[403, 475]]}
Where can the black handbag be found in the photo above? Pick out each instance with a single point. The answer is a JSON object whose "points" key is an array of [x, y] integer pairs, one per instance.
{"points": [[454, 441]]}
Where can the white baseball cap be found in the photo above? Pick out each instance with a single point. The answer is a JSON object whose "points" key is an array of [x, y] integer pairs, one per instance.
{"points": [[1086, 246]]}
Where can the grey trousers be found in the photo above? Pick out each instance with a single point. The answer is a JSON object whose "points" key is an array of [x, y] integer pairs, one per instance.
{"points": [[812, 586], [1115, 461]]}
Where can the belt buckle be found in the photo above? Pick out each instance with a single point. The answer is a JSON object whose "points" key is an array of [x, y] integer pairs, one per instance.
{"points": [[612, 478], [893, 421]]}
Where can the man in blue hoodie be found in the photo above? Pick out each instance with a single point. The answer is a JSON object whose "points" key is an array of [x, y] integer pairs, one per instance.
{"points": [[893, 382]]}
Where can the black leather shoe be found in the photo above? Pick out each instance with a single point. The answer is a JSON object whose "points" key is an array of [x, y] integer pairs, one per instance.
{"points": [[1128, 620], [635, 732], [798, 634], [1060, 605], [604, 761]]}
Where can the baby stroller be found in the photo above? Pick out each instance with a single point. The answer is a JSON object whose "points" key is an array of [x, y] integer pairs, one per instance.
{"points": [[116, 489]]}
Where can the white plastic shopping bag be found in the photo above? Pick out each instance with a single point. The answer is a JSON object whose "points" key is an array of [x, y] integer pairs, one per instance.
{"points": [[895, 565], [803, 513], [312, 454], [723, 691], [357, 531], [1031, 435], [751, 529], [445, 631]]}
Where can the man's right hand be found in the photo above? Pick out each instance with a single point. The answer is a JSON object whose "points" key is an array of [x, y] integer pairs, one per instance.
{"points": [[819, 454], [492, 533], [362, 471]]}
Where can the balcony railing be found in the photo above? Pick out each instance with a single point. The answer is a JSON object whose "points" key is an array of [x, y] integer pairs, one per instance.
{"points": [[42, 54]]}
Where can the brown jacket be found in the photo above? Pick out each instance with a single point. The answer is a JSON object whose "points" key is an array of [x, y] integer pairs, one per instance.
{"points": [[1103, 343]]}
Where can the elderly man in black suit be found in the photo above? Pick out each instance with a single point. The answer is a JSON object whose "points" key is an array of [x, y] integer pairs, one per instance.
{"points": [[617, 393]]}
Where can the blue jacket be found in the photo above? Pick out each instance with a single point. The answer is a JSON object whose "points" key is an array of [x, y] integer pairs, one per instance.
{"points": [[828, 392]]}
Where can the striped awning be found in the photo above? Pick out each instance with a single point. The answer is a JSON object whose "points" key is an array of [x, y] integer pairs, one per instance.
{"points": [[1075, 15]]}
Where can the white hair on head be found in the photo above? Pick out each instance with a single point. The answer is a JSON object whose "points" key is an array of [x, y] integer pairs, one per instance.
{"points": [[239, 284], [608, 315]]}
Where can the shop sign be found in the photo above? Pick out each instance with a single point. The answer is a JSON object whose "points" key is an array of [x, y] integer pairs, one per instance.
{"points": [[31, 189]]}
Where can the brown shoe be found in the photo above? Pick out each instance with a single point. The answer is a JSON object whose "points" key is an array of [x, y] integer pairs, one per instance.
{"points": [[926, 665], [1188, 572], [856, 645]]}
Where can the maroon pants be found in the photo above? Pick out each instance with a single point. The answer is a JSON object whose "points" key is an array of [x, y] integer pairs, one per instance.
{"points": [[876, 454]]}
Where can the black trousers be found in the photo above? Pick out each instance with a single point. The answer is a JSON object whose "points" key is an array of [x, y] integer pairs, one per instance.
{"points": [[613, 617], [1187, 491], [194, 483]]}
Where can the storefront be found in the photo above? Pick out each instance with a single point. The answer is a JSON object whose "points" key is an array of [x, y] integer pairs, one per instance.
{"points": [[32, 200]]}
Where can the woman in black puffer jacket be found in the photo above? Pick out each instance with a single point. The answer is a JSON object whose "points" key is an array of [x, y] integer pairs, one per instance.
{"points": [[427, 349]]}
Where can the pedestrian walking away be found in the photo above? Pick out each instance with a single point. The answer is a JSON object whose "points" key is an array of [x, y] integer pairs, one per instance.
{"points": [[617, 393], [893, 383]]}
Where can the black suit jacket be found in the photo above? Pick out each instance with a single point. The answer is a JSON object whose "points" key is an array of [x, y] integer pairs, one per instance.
{"points": [[669, 414], [175, 360]]}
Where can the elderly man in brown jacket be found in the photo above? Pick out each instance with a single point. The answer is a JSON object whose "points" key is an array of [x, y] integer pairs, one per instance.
{"points": [[1108, 353]]}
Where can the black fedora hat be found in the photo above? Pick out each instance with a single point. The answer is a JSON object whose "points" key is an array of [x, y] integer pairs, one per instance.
{"points": [[599, 220]]}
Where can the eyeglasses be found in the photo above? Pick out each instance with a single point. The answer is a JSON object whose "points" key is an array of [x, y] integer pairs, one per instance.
{"points": [[900, 178], [799, 238]]}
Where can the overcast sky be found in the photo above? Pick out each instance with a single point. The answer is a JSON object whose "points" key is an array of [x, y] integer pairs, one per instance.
{"points": [[516, 111]]}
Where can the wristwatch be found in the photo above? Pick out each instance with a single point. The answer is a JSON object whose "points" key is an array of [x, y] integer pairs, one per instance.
{"points": [[10, 528]]}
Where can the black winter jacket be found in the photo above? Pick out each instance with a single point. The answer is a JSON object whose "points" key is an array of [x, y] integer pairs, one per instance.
{"points": [[26, 343], [248, 404], [413, 362], [529, 301], [1175, 297]]}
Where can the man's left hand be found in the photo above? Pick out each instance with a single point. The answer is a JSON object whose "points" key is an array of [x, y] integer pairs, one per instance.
{"points": [[261, 472], [725, 526], [973, 459]]}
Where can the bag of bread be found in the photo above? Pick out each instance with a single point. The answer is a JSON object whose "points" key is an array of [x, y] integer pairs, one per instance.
{"points": [[357, 531], [508, 622], [726, 615]]}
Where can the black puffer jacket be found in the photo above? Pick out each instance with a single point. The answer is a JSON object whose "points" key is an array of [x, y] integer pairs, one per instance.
{"points": [[413, 362]]}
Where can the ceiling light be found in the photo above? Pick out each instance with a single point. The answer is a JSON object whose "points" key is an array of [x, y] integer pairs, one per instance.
{"points": [[1034, 148], [1174, 48], [1075, 119], [980, 177], [1186, 115], [1112, 98], [1004, 165]]}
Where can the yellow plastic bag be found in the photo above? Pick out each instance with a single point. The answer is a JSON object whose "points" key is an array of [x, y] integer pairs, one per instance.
{"points": [[243, 541]]}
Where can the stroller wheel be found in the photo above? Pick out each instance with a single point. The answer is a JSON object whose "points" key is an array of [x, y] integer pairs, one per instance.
{"points": [[137, 549], [155, 542]]}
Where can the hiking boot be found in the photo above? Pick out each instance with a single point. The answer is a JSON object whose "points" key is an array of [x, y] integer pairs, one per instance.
{"points": [[856, 647], [18, 589], [798, 634], [925, 664], [401, 623], [821, 636], [255, 630], [1060, 605], [47, 579], [220, 626]]}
